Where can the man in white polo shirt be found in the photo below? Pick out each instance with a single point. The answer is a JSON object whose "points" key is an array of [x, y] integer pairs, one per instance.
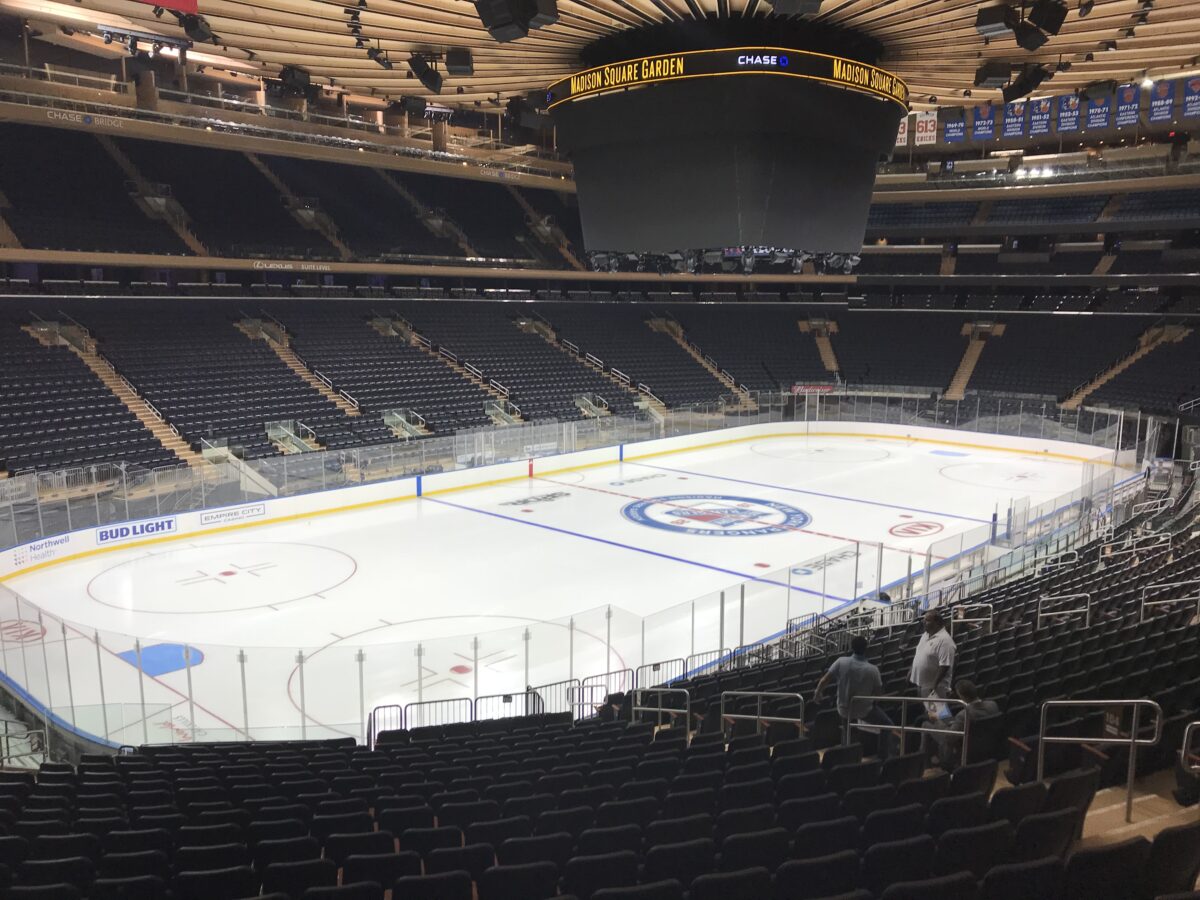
{"points": [[933, 663]]}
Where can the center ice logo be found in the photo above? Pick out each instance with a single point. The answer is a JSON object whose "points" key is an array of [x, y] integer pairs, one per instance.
{"points": [[715, 515]]}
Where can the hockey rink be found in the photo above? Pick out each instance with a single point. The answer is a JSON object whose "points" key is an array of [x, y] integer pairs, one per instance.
{"points": [[304, 626]]}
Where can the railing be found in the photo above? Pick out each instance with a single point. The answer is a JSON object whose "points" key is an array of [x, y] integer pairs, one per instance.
{"points": [[660, 673], [1191, 598], [508, 706], [22, 745], [660, 710], [427, 713], [1086, 609], [699, 663], [1134, 543], [1153, 507], [1185, 752], [1132, 742], [759, 718], [906, 729], [1058, 561], [962, 614], [384, 718]]}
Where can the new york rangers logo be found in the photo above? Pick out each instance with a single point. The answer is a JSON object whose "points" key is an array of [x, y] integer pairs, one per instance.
{"points": [[716, 515]]}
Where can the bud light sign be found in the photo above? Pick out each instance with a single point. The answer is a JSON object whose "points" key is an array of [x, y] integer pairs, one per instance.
{"points": [[130, 531]]}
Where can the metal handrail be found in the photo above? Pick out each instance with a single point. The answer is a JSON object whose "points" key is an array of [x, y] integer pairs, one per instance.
{"points": [[1159, 504], [1059, 560], [531, 699], [643, 673], [905, 728], [758, 718], [1185, 752], [1194, 598], [660, 709], [958, 616], [379, 712], [1133, 741], [1086, 610], [1132, 543]]}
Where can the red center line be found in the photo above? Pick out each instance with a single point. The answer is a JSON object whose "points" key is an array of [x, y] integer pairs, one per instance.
{"points": [[825, 534]]}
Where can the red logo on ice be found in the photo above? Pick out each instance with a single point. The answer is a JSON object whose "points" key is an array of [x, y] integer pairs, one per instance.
{"points": [[915, 529]]}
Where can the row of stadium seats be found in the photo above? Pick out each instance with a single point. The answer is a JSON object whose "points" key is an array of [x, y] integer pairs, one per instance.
{"points": [[210, 381], [70, 194]]}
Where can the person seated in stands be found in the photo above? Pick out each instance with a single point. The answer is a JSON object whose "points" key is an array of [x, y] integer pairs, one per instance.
{"points": [[856, 677], [949, 747], [615, 709]]}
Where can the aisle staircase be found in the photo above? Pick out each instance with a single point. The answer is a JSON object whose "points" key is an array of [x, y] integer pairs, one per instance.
{"points": [[154, 200], [977, 334], [1111, 208], [546, 332], [1105, 263], [821, 330], [1150, 341], [674, 330], [438, 225], [307, 213], [8, 237], [280, 342], [84, 346], [499, 409], [546, 232]]}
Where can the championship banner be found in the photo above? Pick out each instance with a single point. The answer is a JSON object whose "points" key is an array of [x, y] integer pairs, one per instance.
{"points": [[1068, 113], [926, 127], [1039, 116], [983, 128], [1162, 101], [1129, 103], [1191, 98], [779, 61], [902, 133], [1014, 119], [954, 131], [1098, 112]]}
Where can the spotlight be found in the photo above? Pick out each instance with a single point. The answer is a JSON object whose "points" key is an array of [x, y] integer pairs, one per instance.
{"points": [[107, 37], [355, 28], [197, 29], [1025, 82], [353, 14], [1089, 57], [414, 106], [1048, 15], [459, 62], [158, 12], [429, 78], [510, 20], [993, 74], [154, 48], [1085, 7], [932, 98], [1029, 37], [995, 21], [133, 45], [1147, 82], [359, 43], [967, 92]]}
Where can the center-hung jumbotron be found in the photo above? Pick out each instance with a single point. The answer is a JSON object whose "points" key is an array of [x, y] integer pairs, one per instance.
{"points": [[765, 143]]}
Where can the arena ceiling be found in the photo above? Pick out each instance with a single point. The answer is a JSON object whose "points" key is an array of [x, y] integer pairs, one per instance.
{"points": [[932, 44]]}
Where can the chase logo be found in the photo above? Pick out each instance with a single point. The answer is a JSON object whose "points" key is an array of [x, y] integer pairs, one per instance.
{"points": [[716, 515], [762, 59], [115, 534]]}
